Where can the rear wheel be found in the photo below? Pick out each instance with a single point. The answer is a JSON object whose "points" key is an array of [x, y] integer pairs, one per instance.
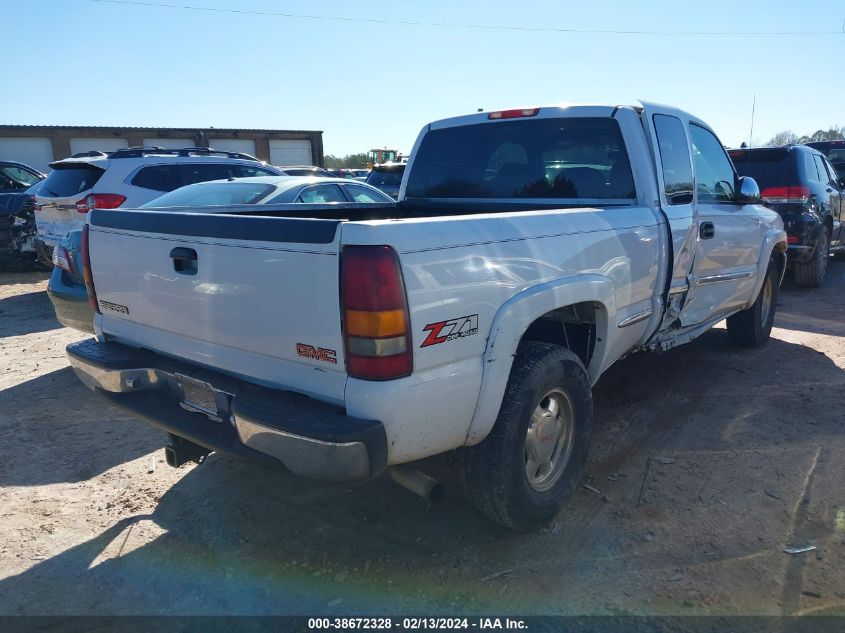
{"points": [[752, 327], [532, 460], [812, 272]]}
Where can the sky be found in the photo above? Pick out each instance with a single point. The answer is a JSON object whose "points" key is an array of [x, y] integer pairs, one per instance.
{"points": [[367, 84]]}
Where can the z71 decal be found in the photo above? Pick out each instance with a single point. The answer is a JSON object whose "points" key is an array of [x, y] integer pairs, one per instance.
{"points": [[450, 330]]}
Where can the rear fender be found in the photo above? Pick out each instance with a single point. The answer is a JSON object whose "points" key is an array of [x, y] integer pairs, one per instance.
{"points": [[510, 324]]}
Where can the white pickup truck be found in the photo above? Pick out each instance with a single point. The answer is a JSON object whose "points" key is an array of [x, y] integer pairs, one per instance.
{"points": [[530, 249]]}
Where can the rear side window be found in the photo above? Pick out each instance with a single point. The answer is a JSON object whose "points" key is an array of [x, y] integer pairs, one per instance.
{"points": [[158, 178], [321, 193], [810, 170], [202, 172], [714, 173], [674, 158], [835, 174], [824, 177], [768, 167], [566, 158], [70, 180], [362, 194]]}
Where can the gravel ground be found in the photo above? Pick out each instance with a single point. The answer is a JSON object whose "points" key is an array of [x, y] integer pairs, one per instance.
{"points": [[708, 461]]}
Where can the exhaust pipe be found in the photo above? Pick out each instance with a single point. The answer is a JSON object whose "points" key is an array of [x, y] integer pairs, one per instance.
{"points": [[417, 482]]}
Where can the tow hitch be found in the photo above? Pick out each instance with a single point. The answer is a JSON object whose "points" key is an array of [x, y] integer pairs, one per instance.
{"points": [[181, 451]]}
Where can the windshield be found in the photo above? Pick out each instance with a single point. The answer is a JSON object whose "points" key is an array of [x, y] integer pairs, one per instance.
{"points": [[769, 167], [214, 194], [535, 158]]}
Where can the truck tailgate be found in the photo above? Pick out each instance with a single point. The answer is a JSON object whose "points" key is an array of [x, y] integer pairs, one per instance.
{"points": [[256, 297]]}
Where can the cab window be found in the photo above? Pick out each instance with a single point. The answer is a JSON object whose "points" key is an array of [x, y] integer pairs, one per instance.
{"points": [[674, 158], [714, 173]]}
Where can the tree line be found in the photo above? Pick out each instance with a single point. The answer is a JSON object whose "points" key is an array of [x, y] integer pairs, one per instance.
{"points": [[788, 137], [350, 161]]}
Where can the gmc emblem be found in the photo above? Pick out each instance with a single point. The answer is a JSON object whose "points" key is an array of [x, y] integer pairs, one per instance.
{"points": [[316, 353]]}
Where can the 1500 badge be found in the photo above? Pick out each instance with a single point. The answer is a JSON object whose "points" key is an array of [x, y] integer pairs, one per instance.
{"points": [[450, 330]]}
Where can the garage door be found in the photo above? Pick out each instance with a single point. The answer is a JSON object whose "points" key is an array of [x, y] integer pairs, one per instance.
{"points": [[244, 146], [290, 153], [35, 152], [170, 143], [80, 145]]}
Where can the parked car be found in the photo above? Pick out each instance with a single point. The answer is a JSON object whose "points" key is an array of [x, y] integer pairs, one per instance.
{"points": [[834, 151], [271, 190], [17, 177], [18, 183], [802, 186], [387, 177], [126, 178], [353, 174], [67, 285], [66, 288], [529, 251], [306, 170]]}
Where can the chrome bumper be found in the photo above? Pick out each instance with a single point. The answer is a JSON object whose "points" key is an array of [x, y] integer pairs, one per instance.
{"points": [[306, 437]]}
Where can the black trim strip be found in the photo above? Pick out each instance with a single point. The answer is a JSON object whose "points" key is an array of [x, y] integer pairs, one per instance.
{"points": [[233, 227]]}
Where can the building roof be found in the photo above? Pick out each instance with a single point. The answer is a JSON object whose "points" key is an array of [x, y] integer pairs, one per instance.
{"points": [[117, 128]]}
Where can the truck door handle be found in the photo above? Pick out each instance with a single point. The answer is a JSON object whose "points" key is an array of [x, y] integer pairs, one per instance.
{"points": [[707, 230], [184, 260]]}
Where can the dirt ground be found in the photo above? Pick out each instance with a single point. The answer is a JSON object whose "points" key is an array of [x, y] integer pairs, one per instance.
{"points": [[708, 462]]}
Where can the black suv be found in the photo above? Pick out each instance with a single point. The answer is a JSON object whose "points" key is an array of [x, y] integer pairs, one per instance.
{"points": [[803, 187]]}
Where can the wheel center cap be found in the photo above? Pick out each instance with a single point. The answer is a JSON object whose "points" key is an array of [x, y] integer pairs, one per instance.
{"points": [[546, 430]]}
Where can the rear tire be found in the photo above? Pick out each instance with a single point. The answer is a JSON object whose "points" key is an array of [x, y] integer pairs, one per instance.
{"points": [[752, 327], [812, 273], [530, 463]]}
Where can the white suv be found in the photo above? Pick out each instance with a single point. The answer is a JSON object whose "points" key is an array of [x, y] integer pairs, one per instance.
{"points": [[126, 178]]}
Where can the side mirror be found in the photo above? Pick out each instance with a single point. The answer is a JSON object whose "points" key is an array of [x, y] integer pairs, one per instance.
{"points": [[842, 183], [748, 191]]}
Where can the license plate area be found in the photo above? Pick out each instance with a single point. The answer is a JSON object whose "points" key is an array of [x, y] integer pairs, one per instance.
{"points": [[199, 397]]}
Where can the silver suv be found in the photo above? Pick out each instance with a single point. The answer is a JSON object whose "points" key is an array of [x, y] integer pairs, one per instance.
{"points": [[126, 178]]}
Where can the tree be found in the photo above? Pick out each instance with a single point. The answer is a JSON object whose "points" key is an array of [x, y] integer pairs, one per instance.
{"points": [[350, 161], [788, 137]]}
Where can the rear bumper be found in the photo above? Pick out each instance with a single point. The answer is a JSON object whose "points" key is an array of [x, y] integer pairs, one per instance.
{"points": [[270, 427], [802, 229], [70, 301]]}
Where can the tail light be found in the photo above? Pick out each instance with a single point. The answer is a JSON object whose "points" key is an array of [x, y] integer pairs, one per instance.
{"points": [[785, 195], [62, 259], [513, 114], [791, 239], [86, 272], [100, 201], [376, 325]]}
